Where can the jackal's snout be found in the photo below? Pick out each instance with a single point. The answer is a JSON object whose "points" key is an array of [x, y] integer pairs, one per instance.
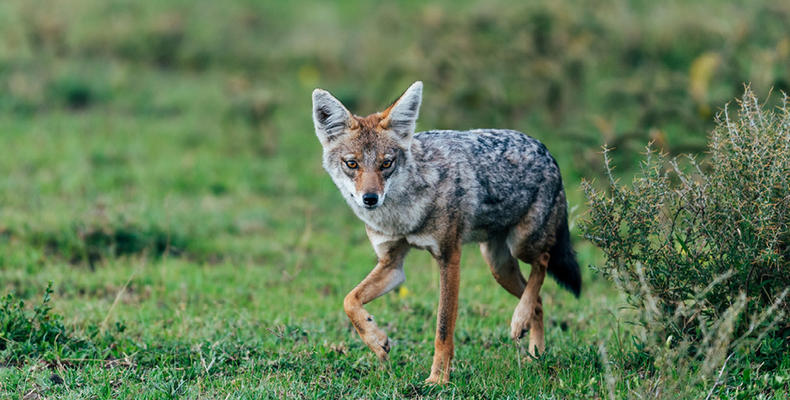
{"points": [[370, 199], [370, 186]]}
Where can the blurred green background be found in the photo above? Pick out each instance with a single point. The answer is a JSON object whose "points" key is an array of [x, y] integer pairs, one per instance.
{"points": [[164, 110], [164, 150]]}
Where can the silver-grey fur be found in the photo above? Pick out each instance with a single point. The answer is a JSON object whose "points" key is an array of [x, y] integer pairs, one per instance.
{"points": [[486, 179]]}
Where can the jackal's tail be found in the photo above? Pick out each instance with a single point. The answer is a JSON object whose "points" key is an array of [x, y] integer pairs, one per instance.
{"points": [[562, 261]]}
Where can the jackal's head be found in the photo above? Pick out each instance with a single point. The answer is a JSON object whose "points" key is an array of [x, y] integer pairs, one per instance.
{"points": [[364, 155]]}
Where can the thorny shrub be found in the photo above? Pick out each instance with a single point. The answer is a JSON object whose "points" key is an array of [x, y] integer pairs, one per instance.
{"points": [[702, 249]]}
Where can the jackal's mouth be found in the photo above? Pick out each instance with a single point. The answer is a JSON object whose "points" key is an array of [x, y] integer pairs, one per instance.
{"points": [[373, 207]]}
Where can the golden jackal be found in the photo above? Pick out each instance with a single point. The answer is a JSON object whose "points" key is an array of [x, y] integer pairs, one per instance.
{"points": [[436, 190]]}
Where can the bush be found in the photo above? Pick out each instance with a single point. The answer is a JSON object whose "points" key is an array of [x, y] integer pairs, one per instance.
{"points": [[705, 246]]}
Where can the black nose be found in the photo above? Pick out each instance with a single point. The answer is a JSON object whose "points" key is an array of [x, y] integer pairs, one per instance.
{"points": [[370, 199]]}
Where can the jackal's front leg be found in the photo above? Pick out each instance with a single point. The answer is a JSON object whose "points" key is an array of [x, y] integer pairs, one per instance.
{"points": [[387, 274], [449, 281]]}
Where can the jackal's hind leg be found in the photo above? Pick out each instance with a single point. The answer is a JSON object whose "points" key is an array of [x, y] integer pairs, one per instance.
{"points": [[387, 275], [528, 315], [503, 266], [537, 344]]}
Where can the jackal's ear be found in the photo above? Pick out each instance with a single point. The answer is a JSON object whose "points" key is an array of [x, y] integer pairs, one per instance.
{"points": [[329, 116], [402, 117]]}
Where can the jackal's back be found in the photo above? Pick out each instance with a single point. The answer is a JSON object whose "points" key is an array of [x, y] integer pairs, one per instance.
{"points": [[491, 178]]}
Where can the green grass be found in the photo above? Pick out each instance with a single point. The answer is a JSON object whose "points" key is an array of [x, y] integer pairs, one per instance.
{"points": [[263, 332], [251, 277], [159, 167]]}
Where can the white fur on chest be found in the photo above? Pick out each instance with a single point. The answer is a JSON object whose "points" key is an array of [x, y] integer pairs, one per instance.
{"points": [[426, 242], [381, 239], [393, 217]]}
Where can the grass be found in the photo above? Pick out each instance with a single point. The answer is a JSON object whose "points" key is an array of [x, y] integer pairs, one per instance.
{"points": [[160, 169], [227, 271], [223, 333]]}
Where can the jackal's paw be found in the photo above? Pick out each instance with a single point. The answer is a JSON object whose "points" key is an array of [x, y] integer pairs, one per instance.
{"points": [[440, 369], [520, 323], [377, 341], [437, 379]]}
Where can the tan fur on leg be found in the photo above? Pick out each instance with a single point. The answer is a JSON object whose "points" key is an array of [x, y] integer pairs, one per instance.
{"points": [[503, 266], [524, 314], [449, 273], [387, 274], [536, 343]]}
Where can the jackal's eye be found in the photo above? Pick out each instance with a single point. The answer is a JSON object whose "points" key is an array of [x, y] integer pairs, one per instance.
{"points": [[352, 164], [386, 164]]}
